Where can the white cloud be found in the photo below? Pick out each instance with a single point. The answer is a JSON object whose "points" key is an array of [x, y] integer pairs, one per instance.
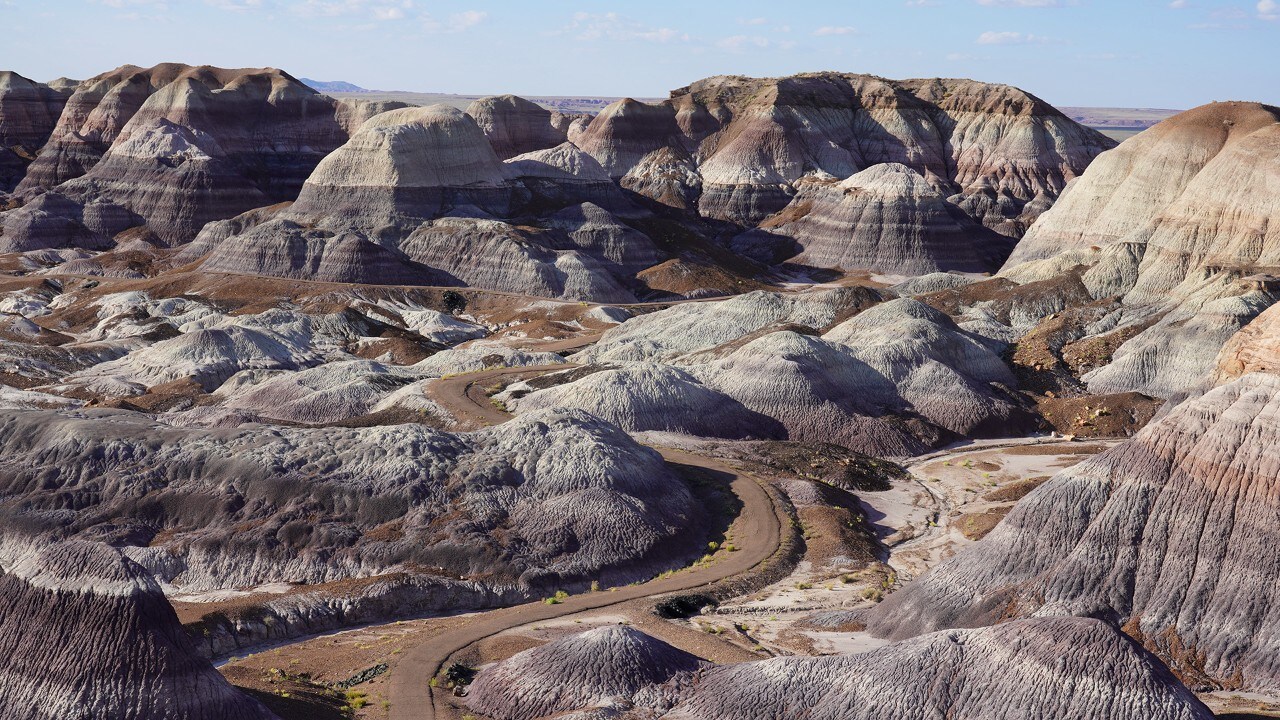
{"points": [[1268, 9], [921, 3], [1179, 4], [235, 5], [835, 30], [149, 11], [1010, 38], [373, 9], [1021, 3], [468, 19], [326, 8], [456, 23], [738, 43], [614, 27], [120, 4]]}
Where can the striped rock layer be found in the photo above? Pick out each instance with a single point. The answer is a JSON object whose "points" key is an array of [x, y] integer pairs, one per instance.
{"points": [[86, 632], [173, 147], [734, 147], [1171, 534]]}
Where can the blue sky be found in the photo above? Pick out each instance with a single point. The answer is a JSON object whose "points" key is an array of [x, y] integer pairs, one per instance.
{"points": [[1129, 53]]}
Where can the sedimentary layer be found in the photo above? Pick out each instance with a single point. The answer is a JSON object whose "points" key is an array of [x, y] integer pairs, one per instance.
{"points": [[1168, 534], [86, 632]]}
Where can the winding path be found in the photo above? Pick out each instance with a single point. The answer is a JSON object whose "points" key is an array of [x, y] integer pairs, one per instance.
{"points": [[758, 530]]}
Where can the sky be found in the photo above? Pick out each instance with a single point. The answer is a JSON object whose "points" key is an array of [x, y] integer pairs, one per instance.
{"points": [[1114, 53]]}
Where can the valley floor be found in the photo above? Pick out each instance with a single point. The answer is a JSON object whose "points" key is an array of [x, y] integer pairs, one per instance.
{"points": [[949, 499]]}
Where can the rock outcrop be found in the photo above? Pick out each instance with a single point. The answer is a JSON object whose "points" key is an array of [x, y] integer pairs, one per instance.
{"points": [[885, 219], [1170, 534], [1255, 348], [652, 396], [86, 632], [734, 147], [238, 108], [1053, 667], [500, 255], [1184, 215], [516, 126], [28, 113], [607, 667], [551, 498]]}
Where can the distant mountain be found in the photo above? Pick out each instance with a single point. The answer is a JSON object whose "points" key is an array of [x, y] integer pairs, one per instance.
{"points": [[333, 86]]}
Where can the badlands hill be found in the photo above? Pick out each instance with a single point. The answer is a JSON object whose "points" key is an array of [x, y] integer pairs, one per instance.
{"points": [[516, 126], [734, 146], [1144, 192], [246, 329], [86, 632], [969, 158], [28, 113], [1150, 262], [892, 380], [824, 171], [1169, 535], [597, 667], [170, 148], [550, 498], [417, 197], [1055, 667], [886, 217]]}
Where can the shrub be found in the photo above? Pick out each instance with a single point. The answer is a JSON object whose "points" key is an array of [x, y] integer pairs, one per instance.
{"points": [[683, 606], [356, 699], [459, 674], [454, 301]]}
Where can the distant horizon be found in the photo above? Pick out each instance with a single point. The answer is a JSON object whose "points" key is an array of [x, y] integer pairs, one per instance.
{"points": [[389, 91], [1071, 53]]}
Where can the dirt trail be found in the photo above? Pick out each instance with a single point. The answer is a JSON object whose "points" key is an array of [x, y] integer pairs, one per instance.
{"points": [[463, 396], [758, 526], [559, 346]]}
